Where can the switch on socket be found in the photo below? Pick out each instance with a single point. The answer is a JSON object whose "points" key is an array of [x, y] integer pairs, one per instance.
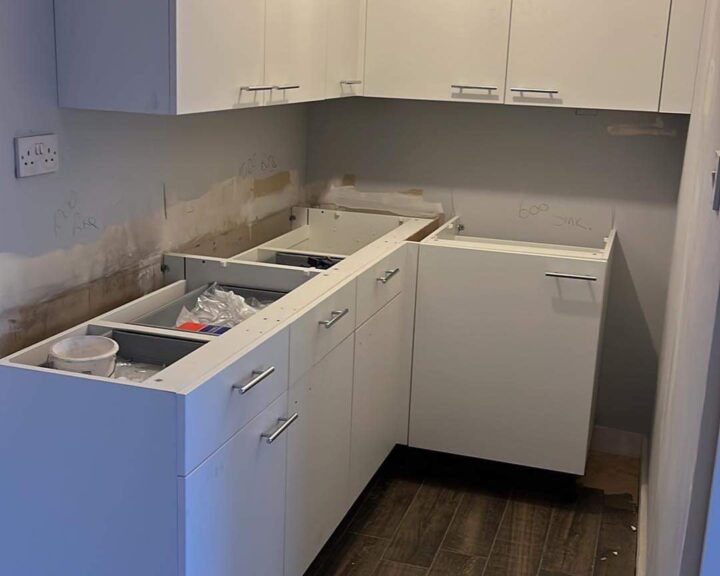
{"points": [[36, 155]]}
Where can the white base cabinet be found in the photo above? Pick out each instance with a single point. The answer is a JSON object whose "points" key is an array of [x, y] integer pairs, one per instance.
{"points": [[381, 390], [232, 508], [506, 350], [318, 457]]}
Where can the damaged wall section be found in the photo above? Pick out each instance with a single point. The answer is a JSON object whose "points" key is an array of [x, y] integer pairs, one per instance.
{"points": [[89, 238]]}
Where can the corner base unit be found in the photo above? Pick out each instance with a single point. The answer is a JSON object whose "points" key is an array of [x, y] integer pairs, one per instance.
{"points": [[507, 342]]}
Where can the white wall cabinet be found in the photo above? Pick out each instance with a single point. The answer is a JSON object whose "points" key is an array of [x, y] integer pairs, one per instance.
{"points": [[318, 457], [425, 49], [506, 348], [592, 54], [345, 48], [233, 506], [296, 47]]}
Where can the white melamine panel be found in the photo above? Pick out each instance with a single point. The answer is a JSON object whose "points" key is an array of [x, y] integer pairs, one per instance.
{"points": [[318, 457], [310, 340], [89, 481], [220, 49], [345, 47], [295, 50], [232, 508], [380, 284], [505, 356], [213, 411], [594, 53], [381, 391], [421, 48], [681, 60]]}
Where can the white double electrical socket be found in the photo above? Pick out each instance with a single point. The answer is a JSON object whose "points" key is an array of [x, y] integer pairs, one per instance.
{"points": [[36, 155]]}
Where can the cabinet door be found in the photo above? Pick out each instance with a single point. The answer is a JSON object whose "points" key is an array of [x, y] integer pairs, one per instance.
{"points": [[381, 391], [589, 54], [296, 47], [505, 356], [220, 54], [422, 48], [318, 457], [232, 508], [346, 47]]}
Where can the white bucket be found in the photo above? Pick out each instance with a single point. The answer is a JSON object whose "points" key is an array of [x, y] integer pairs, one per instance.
{"points": [[94, 355]]}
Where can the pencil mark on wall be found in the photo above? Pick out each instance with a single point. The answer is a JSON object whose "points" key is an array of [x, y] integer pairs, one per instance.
{"points": [[544, 209], [256, 164], [69, 220]]}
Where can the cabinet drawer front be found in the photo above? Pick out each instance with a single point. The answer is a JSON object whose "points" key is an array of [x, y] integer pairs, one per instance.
{"points": [[380, 284], [321, 329], [232, 508], [228, 400]]}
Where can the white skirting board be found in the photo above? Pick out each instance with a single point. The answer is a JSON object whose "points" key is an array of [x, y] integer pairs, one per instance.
{"points": [[622, 443]]}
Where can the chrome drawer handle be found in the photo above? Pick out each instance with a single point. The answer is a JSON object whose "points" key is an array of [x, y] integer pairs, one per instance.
{"points": [[258, 376], [535, 90], [350, 82], [571, 276], [389, 274], [285, 423], [287, 87], [256, 88], [462, 87], [336, 315]]}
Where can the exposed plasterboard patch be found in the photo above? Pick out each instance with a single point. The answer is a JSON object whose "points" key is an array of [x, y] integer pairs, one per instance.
{"points": [[402, 202], [656, 128], [275, 184]]}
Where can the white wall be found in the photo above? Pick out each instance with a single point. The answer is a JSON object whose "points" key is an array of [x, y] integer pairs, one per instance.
{"points": [[688, 403], [587, 170], [130, 186]]}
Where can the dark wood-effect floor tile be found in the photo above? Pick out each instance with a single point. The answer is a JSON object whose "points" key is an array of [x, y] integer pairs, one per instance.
{"points": [[354, 555], [476, 524], [385, 506], [424, 526], [573, 536], [454, 564], [394, 569], [617, 542], [514, 559]]}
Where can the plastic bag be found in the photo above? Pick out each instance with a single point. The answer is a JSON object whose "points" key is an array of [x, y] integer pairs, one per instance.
{"points": [[135, 371], [220, 308]]}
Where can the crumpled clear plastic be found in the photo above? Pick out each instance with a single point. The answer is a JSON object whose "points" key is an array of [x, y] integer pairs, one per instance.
{"points": [[135, 371], [218, 307]]}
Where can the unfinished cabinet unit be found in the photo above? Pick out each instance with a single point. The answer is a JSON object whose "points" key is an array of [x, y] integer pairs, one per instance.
{"points": [[454, 50], [507, 341], [599, 54], [345, 48], [214, 450]]}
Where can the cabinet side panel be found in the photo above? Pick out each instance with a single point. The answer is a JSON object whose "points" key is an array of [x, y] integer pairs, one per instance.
{"points": [[88, 480], [114, 55]]}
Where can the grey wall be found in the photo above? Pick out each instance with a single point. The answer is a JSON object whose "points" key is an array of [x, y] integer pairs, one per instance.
{"points": [[587, 171], [130, 187]]}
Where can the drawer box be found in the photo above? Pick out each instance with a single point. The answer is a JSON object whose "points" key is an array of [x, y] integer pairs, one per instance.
{"points": [[380, 284], [216, 409], [321, 329]]}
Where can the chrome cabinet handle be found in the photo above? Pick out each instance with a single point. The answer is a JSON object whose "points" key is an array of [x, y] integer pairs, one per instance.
{"points": [[350, 82], [256, 88], [571, 276], [287, 87], [258, 376], [336, 315], [389, 274], [462, 87], [285, 423], [535, 90]]}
